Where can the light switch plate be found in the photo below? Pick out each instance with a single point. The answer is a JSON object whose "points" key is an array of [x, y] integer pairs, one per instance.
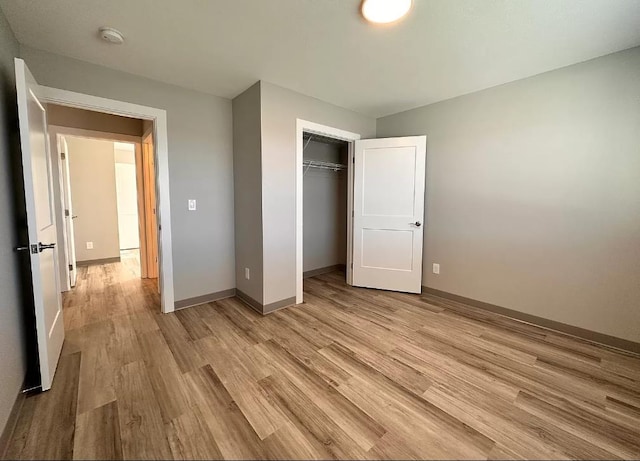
{"points": [[89, 245], [436, 268], [192, 204]]}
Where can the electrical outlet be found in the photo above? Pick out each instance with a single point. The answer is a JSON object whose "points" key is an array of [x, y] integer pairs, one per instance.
{"points": [[436, 268], [247, 274], [89, 245], [192, 204]]}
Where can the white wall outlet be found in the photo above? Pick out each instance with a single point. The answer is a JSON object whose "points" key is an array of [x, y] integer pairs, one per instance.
{"points": [[247, 274], [436, 268], [89, 245], [192, 204]]}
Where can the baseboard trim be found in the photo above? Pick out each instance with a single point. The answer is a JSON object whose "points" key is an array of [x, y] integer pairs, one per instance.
{"points": [[95, 262], [582, 333], [272, 307], [204, 299], [264, 309], [323, 270], [10, 426], [249, 301]]}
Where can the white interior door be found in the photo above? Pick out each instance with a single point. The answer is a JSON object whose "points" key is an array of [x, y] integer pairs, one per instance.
{"points": [[68, 212], [38, 191], [388, 213]]}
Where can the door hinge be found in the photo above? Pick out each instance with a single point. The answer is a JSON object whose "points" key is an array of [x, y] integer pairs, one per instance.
{"points": [[71, 267], [351, 265], [354, 160], [353, 213], [66, 213], [63, 156]]}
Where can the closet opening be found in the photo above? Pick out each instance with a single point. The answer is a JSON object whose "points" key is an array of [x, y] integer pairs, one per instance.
{"points": [[325, 204]]}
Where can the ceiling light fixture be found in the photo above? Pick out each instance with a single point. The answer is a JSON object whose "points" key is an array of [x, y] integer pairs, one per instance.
{"points": [[110, 35], [385, 11]]}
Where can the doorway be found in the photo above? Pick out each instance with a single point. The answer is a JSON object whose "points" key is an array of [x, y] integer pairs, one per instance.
{"points": [[155, 121], [334, 157], [325, 164], [107, 204], [385, 181]]}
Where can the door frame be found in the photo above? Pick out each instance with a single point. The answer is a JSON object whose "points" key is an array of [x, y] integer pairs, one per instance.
{"points": [[55, 132], [303, 126], [159, 119]]}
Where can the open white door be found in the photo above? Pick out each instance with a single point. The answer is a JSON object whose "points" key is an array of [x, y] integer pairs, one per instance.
{"points": [[68, 210], [38, 191], [388, 205]]}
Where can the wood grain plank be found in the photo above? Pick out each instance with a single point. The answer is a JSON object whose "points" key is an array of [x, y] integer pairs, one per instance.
{"points": [[98, 434], [141, 426], [233, 434]]}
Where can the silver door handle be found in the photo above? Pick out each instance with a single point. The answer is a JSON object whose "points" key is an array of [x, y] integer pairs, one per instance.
{"points": [[417, 223], [45, 246]]}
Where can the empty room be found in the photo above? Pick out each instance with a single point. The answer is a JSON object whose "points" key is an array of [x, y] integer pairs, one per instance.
{"points": [[320, 229]]}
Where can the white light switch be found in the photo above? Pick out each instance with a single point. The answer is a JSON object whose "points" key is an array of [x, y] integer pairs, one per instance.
{"points": [[89, 245], [436, 268], [192, 204], [247, 274]]}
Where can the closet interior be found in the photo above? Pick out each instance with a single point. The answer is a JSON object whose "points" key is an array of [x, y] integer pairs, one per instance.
{"points": [[324, 204]]}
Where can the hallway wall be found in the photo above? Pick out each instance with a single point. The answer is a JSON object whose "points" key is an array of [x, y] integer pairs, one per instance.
{"points": [[92, 171]]}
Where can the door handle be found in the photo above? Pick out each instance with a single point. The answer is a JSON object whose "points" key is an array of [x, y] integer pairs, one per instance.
{"points": [[45, 246], [417, 223]]}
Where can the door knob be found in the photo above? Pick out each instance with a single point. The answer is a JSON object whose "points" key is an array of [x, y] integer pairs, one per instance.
{"points": [[417, 224], [45, 246]]}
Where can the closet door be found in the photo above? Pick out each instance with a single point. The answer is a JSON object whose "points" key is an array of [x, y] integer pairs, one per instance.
{"points": [[388, 205]]}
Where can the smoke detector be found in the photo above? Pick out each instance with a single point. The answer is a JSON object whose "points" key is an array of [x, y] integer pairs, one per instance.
{"points": [[111, 35]]}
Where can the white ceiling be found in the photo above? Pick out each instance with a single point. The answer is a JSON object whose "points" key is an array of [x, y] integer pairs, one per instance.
{"points": [[323, 48]]}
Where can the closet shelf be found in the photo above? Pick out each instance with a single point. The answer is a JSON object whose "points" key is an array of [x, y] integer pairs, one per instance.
{"points": [[323, 165]]}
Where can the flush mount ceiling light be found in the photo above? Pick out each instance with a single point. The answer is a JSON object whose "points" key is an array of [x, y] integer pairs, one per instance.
{"points": [[111, 35], [385, 11]]}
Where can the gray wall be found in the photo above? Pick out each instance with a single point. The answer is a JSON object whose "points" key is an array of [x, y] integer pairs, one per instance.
{"points": [[247, 191], [280, 109], [325, 208], [533, 194], [90, 120], [92, 171], [12, 355], [200, 163]]}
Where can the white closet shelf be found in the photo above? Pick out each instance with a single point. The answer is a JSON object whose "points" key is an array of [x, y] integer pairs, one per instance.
{"points": [[323, 165]]}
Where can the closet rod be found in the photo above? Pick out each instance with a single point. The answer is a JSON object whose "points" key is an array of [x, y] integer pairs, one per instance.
{"points": [[323, 165]]}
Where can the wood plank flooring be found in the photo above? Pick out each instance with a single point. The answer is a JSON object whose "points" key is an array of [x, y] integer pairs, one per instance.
{"points": [[350, 374]]}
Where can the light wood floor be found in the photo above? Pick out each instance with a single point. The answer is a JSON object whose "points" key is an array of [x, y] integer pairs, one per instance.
{"points": [[352, 373]]}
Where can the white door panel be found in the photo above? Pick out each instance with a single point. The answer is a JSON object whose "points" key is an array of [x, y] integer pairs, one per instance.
{"points": [[38, 190], [380, 175], [388, 205]]}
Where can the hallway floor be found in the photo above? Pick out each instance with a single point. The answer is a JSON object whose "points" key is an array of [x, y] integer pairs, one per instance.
{"points": [[350, 374]]}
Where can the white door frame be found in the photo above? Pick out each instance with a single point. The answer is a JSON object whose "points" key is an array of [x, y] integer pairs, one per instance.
{"points": [[159, 119], [336, 133]]}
